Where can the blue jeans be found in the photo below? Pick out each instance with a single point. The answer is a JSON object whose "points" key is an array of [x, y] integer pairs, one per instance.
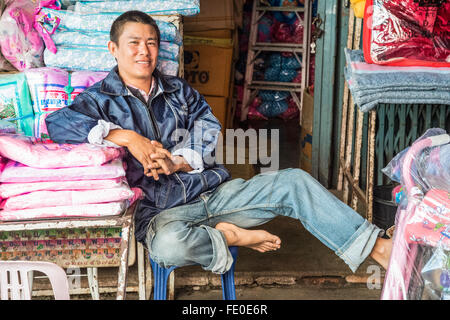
{"points": [[186, 235]]}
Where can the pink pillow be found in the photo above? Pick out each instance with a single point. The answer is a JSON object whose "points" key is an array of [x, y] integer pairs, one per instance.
{"points": [[52, 155]]}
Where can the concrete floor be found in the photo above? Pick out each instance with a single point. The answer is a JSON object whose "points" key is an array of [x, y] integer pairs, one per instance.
{"points": [[303, 269]]}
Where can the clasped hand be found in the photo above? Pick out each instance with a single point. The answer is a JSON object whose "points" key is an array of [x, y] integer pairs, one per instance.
{"points": [[154, 158]]}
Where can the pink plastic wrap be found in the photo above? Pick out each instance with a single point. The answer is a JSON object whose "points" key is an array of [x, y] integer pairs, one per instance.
{"points": [[419, 267], [16, 172], [83, 211], [20, 43], [39, 199], [407, 32], [8, 190], [51, 155]]}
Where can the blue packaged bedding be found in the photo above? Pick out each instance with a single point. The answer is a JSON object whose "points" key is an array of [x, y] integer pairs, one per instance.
{"points": [[71, 58], [101, 22], [154, 7]]}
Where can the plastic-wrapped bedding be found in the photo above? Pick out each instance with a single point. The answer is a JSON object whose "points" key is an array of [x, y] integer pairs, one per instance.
{"points": [[95, 60], [17, 172], [99, 40], [15, 102], [39, 199], [407, 32], [52, 155], [156, 7], [50, 87], [20, 43], [101, 22], [86, 210], [8, 190], [419, 266]]}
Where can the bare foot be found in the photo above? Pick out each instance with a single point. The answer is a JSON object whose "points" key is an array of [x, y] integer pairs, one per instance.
{"points": [[382, 251], [259, 240]]}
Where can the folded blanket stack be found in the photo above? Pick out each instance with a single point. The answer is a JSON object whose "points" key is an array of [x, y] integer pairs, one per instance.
{"points": [[372, 84], [60, 180], [15, 104], [77, 39]]}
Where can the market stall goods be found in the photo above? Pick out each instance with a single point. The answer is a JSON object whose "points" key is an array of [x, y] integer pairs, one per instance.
{"points": [[53, 88], [88, 22], [8, 190], [15, 102], [419, 267], [20, 43], [86, 210], [17, 172], [44, 199], [407, 32], [71, 58], [154, 7], [52, 155], [372, 84]]}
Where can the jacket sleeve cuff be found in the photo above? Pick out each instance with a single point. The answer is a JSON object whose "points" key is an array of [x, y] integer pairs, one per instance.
{"points": [[192, 157], [100, 131]]}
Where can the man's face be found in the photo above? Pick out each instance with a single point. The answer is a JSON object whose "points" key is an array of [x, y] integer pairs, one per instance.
{"points": [[136, 52]]}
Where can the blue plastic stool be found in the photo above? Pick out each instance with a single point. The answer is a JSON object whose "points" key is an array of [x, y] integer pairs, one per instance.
{"points": [[162, 274]]}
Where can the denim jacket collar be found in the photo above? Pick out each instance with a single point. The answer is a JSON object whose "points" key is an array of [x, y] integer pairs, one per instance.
{"points": [[113, 84]]}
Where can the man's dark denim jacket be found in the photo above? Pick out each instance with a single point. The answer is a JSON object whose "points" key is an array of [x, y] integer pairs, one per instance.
{"points": [[175, 106]]}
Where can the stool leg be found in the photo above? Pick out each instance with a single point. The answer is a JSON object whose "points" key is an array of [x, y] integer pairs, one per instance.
{"points": [[160, 283], [228, 287]]}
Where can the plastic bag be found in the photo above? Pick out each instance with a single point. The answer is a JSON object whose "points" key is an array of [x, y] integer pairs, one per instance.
{"points": [[39, 199], [153, 7], [407, 32], [273, 108], [291, 112], [8, 190], [52, 155], [419, 264], [85, 210], [18, 173], [20, 43], [50, 88], [15, 102]]}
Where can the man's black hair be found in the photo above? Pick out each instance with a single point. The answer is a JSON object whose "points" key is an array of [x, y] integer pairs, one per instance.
{"points": [[131, 16]]}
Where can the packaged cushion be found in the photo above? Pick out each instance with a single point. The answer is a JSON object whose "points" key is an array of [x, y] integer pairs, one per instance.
{"points": [[8, 190], [101, 22], [52, 155], [39, 199], [20, 43], [86, 210], [99, 40], [95, 60], [407, 33], [17, 172], [15, 102], [53, 88], [157, 7]]}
